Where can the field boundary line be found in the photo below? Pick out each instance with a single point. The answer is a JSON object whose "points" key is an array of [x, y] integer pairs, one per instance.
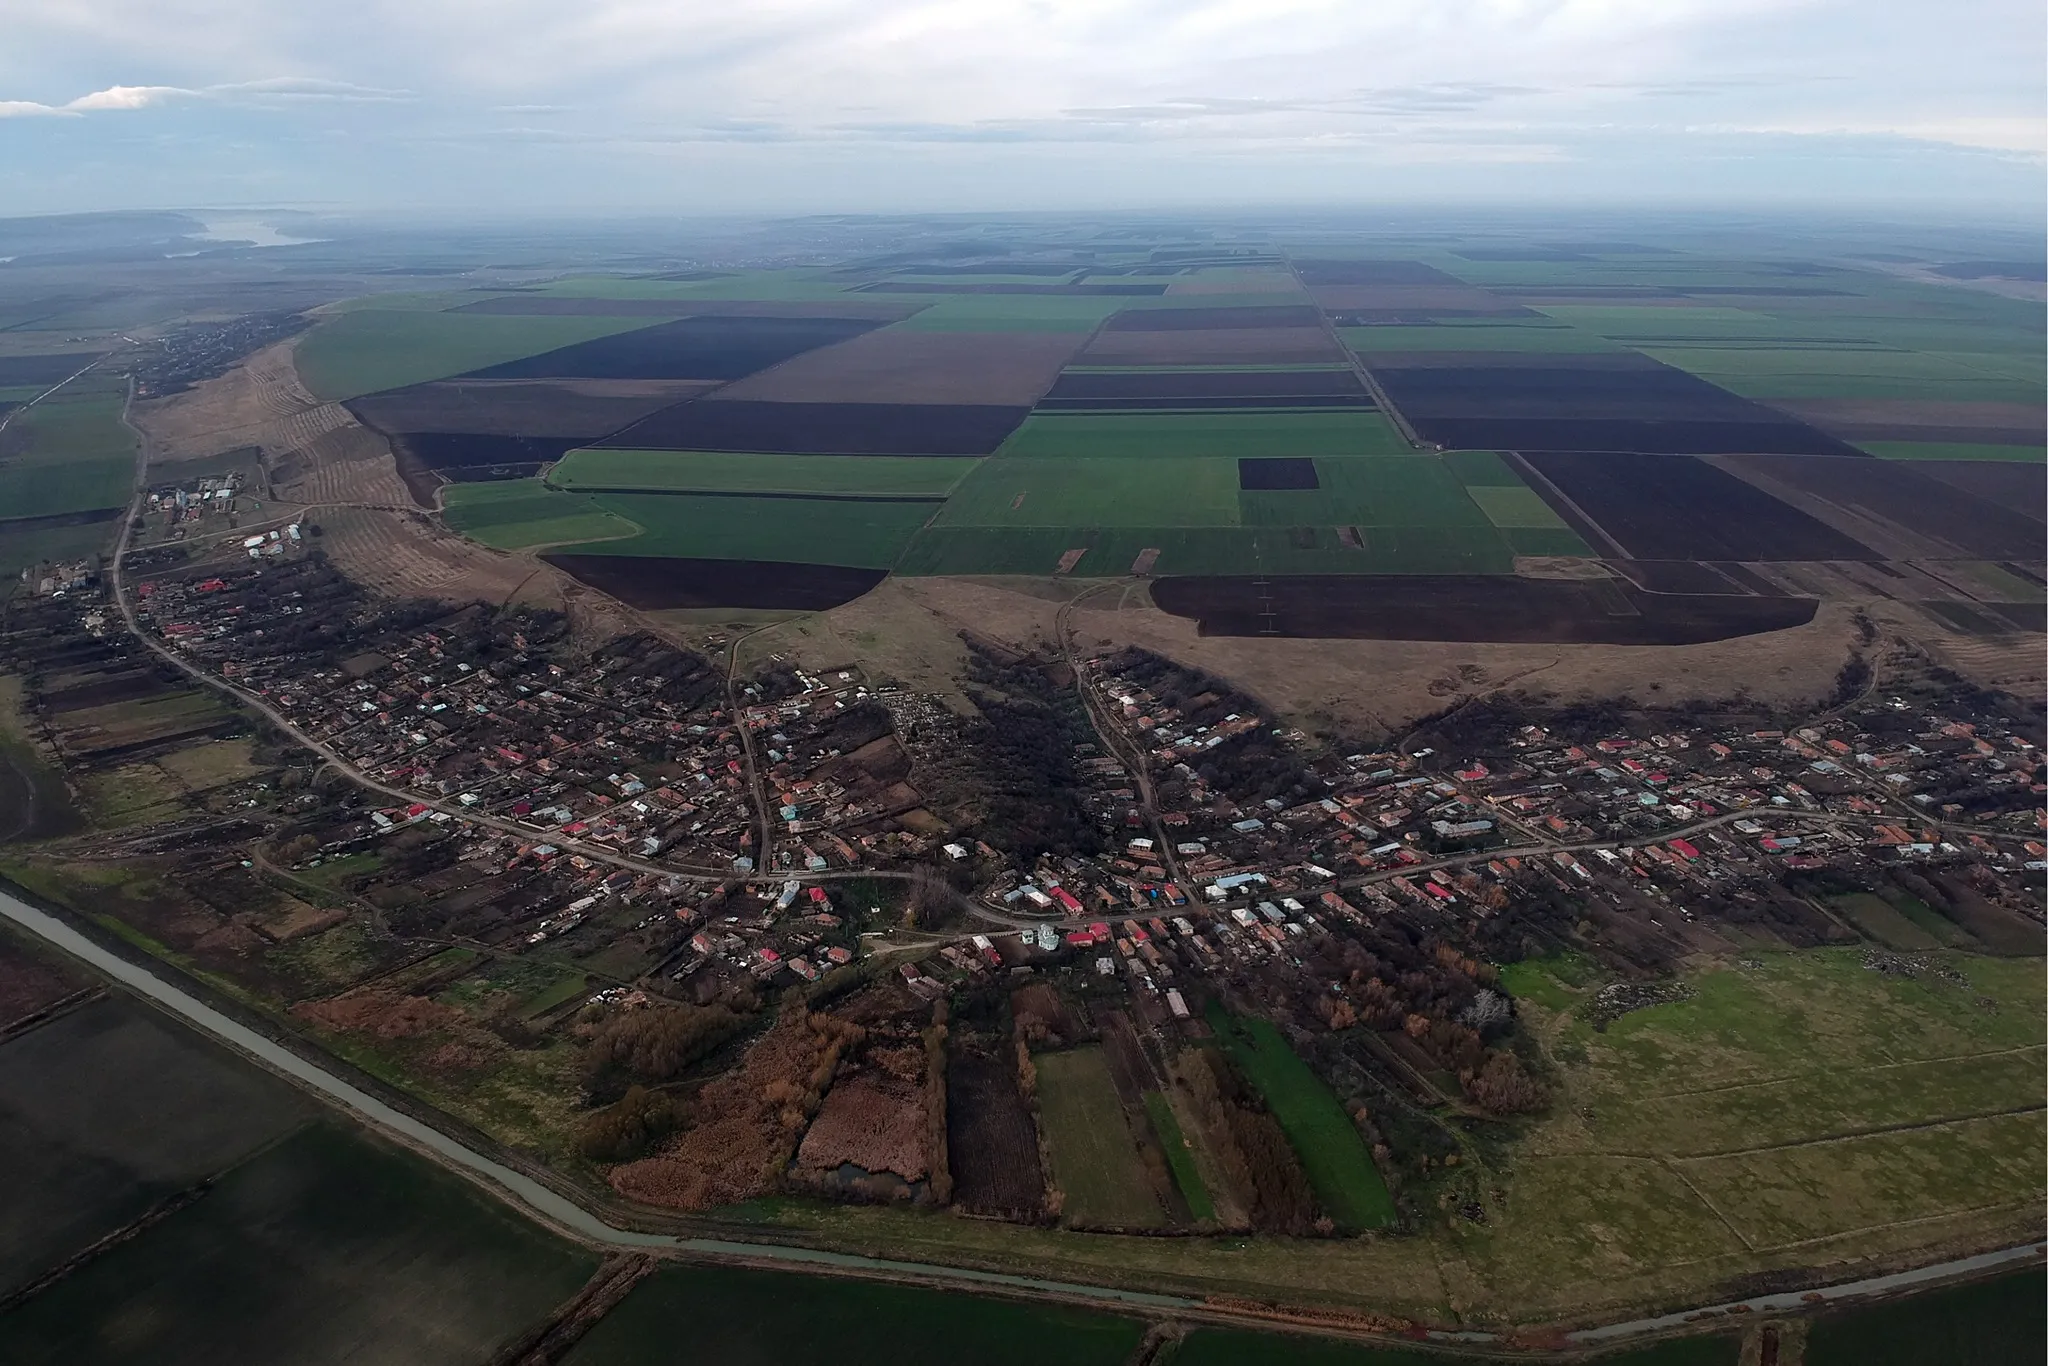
{"points": [[1838, 1071], [1900, 1223], [1712, 1208], [1865, 1133]]}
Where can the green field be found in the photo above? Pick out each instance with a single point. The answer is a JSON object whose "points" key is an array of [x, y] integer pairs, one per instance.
{"points": [[1805, 1102], [1234, 1347], [324, 1247], [1180, 1157], [1112, 550], [749, 472], [1367, 341], [1514, 507], [2001, 1322], [71, 452], [1187, 435], [372, 349], [839, 531], [1333, 1153], [514, 514], [1094, 1158], [724, 1316]]}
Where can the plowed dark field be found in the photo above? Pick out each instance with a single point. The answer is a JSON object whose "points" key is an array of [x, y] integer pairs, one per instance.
{"points": [[991, 1143], [1671, 507], [2016, 484], [1614, 404], [690, 348], [1887, 491], [652, 584], [1213, 346], [927, 287], [892, 365], [1203, 319], [1470, 608], [826, 428], [474, 450], [1205, 384], [1277, 472], [1168, 405], [583, 409], [1625, 434]]}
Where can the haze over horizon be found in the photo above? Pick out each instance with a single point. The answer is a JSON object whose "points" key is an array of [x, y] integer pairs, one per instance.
{"points": [[825, 106]]}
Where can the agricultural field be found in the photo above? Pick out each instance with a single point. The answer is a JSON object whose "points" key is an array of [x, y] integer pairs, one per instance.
{"points": [[1348, 1187], [1689, 418], [516, 514], [324, 1245], [1095, 1160], [66, 459], [1792, 1100], [736, 1316]]}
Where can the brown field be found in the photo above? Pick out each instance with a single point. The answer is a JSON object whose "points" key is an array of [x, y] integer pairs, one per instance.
{"points": [[907, 631], [1907, 419], [893, 366], [2014, 484], [314, 452], [1251, 345], [874, 1121], [236, 409], [408, 554], [1898, 512]]}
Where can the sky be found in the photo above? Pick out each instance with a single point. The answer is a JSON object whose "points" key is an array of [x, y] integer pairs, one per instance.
{"points": [[798, 106]]}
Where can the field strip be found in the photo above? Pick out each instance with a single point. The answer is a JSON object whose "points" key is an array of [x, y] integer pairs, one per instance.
{"points": [[2013, 1205], [1842, 1071], [1878, 1132]]}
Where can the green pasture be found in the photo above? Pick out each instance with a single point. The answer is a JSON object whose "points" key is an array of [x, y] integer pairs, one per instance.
{"points": [[1252, 433], [375, 349], [1332, 1151], [1515, 507], [1067, 491], [514, 514], [69, 453], [750, 472], [837, 531], [752, 284], [1953, 450], [1180, 1157], [1792, 1097], [1094, 1158]]}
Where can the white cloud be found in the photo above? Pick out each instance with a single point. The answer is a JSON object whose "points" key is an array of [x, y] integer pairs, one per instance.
{"points": [[1443, 78]]}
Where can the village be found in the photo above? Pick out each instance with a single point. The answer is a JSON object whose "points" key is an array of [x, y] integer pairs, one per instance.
{"points": [[638, 786]]}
